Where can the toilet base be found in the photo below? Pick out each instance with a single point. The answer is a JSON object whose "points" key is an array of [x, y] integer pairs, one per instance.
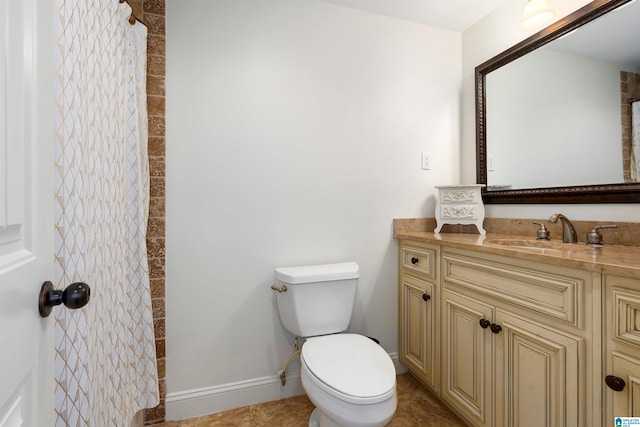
{"points": [[318, 419], [314, 419]]}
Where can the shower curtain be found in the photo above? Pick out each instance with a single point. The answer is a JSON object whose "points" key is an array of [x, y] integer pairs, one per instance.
{"points": [[105, 361], [635, 141]]}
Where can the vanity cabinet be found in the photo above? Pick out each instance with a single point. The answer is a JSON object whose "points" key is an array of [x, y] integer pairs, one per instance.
{"points": [[519, 337], [418, 311], [621, 377], [515, 338]]}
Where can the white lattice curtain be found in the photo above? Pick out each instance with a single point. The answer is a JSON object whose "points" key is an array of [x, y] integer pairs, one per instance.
{"points": [[105, 362]]}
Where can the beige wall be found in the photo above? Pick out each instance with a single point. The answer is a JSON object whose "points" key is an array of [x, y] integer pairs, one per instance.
{"points": [[294, 135]]}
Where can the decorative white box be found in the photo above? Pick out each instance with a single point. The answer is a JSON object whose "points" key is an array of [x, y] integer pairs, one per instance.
{"points": [[460, 204]]}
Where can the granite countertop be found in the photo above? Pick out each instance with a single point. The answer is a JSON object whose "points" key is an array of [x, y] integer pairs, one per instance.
{"points": [[610, 259]]}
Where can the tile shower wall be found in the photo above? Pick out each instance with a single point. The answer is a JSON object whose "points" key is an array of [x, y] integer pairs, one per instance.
{"points": [[152, 13]]}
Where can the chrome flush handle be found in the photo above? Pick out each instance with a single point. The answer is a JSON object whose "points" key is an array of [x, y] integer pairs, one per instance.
{"points": [[280, 289]]}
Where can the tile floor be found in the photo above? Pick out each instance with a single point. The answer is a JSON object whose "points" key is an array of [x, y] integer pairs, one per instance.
{"points": [[416, 407]]}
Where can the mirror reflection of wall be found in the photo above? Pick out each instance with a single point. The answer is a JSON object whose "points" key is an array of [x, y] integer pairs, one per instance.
{"points": [[554, 112], [561, 115], [630, 104]]}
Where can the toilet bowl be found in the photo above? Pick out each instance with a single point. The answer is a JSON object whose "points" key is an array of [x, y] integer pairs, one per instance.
{"points": [[350, 379]]}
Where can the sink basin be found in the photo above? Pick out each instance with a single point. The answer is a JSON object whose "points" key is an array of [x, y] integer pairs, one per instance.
{"points": [[540, 245]]}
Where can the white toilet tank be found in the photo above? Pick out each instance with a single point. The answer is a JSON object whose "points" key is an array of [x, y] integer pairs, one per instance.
{"points": [[318, 299]]}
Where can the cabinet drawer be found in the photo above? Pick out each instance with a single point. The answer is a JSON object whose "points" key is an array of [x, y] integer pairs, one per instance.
{"points": [[542, 288], [623, 298], [419, 258]]}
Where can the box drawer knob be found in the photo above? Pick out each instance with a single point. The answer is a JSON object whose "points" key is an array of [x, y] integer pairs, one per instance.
{"points": [[614, 383]]}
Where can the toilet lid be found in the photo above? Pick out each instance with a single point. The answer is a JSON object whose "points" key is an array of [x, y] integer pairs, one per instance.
{"points": [[351, 364]]}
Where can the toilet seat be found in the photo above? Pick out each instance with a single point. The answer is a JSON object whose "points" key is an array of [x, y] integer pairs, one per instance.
{"points": [[349, 367]]}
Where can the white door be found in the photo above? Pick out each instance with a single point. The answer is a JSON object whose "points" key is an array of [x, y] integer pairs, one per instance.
{"points": [[26, 211]]}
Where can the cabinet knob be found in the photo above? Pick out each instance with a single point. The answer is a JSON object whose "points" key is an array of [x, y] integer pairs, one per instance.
{"points": [[614, 383], [484, 323], [495, 328], [426, 297], [414, 260]]}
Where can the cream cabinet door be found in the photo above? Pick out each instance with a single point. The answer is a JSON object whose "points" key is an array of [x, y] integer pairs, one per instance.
{"points": [[467, 357], [537, 374], [622, 355], [626, 402], [418, 340]]}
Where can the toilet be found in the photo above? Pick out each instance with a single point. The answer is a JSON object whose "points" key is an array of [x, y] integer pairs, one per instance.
{"points": [[349, 378]]}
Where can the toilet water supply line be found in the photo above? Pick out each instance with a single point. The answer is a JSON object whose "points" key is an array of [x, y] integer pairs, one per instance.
{"points": [[282, 373]]}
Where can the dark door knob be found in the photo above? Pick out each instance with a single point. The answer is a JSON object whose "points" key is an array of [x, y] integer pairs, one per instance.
{"points": [[414, 260], [76, 295], [484, 323], [495, 328], [614, 383], [426, 297]]}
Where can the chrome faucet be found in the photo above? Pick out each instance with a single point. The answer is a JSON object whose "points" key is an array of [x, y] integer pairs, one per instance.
{"points": [[569, 234]]}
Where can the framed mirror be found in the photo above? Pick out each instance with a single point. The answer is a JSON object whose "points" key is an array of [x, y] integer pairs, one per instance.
{"points": [[554, 112]]}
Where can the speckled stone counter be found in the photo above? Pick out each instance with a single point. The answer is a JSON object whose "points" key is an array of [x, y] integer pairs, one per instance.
{"points": [[618, 259]]}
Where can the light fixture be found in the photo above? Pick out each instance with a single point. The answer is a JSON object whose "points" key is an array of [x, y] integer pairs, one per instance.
{"points": [[536, 13]]}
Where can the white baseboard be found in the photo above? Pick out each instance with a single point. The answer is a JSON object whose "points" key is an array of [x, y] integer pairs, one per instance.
{"points": [[209, 400]]}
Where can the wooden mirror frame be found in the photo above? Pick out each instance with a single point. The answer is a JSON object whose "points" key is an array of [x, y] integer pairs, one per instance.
{"points": [[606, 193]]}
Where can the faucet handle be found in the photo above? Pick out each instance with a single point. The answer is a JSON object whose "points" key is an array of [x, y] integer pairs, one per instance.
{"points": [[543, 232], [594, 238]]}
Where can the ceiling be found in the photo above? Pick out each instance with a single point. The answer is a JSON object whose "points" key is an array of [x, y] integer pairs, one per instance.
{"points": [[455, 15]]}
